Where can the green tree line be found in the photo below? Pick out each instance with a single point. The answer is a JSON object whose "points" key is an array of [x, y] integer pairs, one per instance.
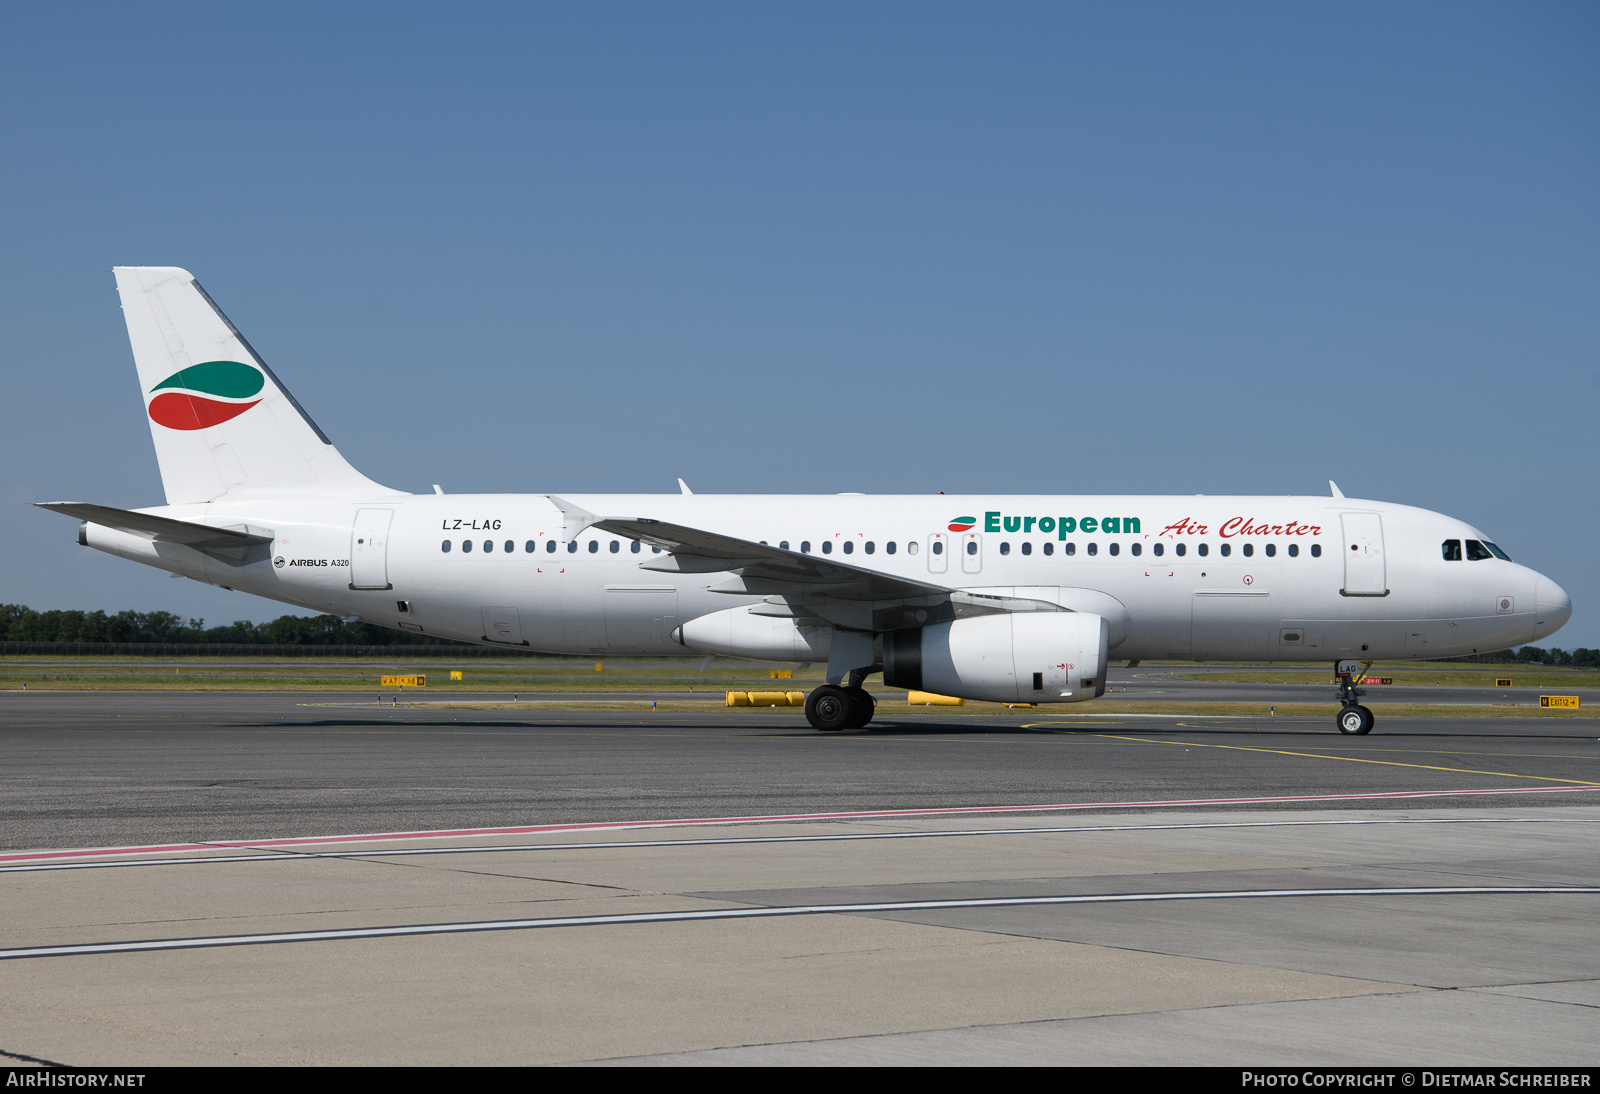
{"points": [[1581, 657], [19, 623]]}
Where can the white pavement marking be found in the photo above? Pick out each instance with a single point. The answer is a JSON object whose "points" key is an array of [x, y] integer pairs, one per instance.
{"points": [[218, 941], [777, 818]]}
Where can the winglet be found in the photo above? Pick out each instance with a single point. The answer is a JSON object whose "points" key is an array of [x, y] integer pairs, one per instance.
{"points": [[1333, 486], [684, 487]]}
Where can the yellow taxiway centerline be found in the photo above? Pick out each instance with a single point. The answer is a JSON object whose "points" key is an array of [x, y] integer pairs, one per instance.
{"points": [[1316, 756]]}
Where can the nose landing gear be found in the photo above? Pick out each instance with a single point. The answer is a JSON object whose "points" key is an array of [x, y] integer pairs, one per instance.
{"points": [[1354, 719]]}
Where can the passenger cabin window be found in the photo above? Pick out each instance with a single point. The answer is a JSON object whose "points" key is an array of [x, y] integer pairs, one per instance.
{"points": [[888, 548], [1204, 550], [445, 547], [1070, 549], [550, 547], [1115, 547], [594, 546], [1272, 550], [805, 546], [528, 547], [783, 545], [510, 547], [488, 545], [1477, 552], [1316, 550], [1159, 550], [912, 547], [1182, 549], [466, 546], [1027, 548], [1226, 549], [972, 546], [1049, 548], [869, 548], [1005, 548], [1294, 550], [1249, 549], [938, 546], [616, 545], [572, 547], [634, 546], [1093, 548], [849, 547], [827, 546]]}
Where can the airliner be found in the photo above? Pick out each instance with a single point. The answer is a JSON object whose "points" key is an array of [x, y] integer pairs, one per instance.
{"points": [[1002, 597]]}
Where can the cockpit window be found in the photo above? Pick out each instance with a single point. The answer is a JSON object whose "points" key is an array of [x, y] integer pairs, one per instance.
{"points": [[1498, 553], [1477, 552], [1452, 550]]}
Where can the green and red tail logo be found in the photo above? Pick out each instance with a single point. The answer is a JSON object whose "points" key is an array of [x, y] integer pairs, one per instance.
{"points": [[962, 524], [207, 394]]}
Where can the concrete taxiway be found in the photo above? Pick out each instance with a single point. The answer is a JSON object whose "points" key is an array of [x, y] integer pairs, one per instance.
{"points": [[195, 878]]}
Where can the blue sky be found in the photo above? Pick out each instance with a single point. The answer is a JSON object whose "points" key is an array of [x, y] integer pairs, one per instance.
{"points": [[1229, 248]]}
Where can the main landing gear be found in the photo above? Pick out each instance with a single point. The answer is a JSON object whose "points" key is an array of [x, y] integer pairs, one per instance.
{"points": [[831, 708], [1354, 719]]}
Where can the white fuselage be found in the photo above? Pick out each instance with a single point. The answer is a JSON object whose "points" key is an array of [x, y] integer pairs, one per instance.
{"points": [[1177, 576]]}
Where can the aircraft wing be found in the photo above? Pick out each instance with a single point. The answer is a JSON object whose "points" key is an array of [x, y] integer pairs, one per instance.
{"points": [[201, 536], [799, 584]]}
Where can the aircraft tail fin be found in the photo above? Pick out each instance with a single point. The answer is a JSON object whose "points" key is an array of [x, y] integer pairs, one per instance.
{"points": [[224, 426]]}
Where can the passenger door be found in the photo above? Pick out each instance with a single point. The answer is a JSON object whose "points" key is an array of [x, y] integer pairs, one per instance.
{"points": [[369, 549], [1364, 573]]}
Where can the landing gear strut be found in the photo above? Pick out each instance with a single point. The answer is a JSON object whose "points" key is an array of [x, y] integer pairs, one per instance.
{"points": [[1354, 719], [831, 708]]}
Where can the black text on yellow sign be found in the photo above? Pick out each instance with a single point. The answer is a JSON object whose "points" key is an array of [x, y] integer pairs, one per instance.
{"points": [[1558, 700], [1503, 682], [405, 681]]}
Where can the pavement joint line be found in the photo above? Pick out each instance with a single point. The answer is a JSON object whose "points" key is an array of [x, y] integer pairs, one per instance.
{"points": [[401, 852], [1350, 759], [628, 918], [780, 818]]}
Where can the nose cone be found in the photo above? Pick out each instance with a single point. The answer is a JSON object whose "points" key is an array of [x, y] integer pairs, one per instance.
{"points": [[1552, 607]]}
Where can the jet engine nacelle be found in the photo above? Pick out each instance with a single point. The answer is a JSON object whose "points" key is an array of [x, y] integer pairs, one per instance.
{"points": [[739, 632], [1021, 657]]}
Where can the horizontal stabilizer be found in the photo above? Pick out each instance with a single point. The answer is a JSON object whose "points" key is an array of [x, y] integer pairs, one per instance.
{"points": [[201, 536]]}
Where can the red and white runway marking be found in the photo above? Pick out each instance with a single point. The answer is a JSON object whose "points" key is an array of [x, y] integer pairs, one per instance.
{"points": [[779, 818]]}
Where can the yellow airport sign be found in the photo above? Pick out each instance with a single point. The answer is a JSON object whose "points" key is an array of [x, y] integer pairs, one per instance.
{"points": [[405, 681], [1503, 682], [456, 674], [783, 674], [1558, 700]]}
